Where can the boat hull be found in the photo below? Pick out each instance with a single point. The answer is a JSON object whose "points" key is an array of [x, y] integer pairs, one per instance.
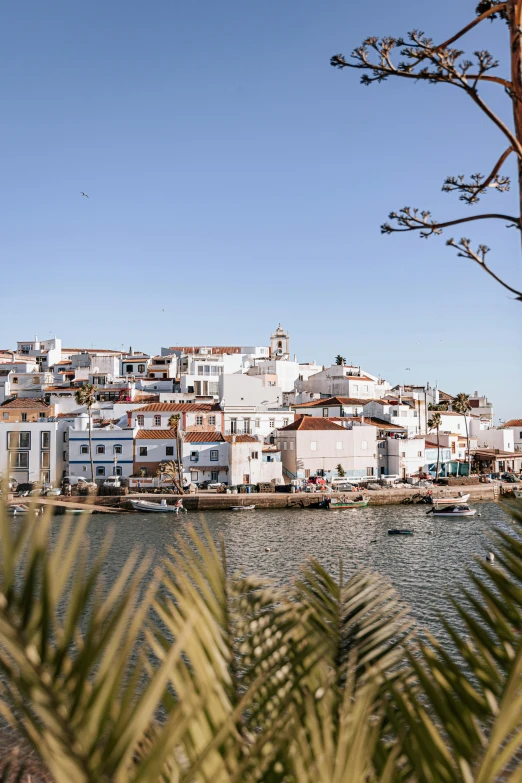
{"points": [[153, 508], [470, 513], [449, 501], [341, 506]]}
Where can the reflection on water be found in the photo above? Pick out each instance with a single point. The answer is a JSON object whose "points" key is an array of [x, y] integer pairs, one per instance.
{"points": [[423, 567]]}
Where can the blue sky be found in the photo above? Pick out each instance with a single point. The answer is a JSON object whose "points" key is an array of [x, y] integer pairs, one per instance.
{"points": [[237, 180]]}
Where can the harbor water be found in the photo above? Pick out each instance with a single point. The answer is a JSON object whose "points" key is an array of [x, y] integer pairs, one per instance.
{"points": [[424, 568]]}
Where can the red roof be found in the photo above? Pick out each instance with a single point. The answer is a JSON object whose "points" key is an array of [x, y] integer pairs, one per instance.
{"points": [[512, 423], [203, 437], [156, 435], [312, 423], [241, 439], [330, 401], [213, 350], [176, 407], [35, 403]]}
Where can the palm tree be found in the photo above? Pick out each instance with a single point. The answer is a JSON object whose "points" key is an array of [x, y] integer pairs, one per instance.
{"points": [[434, 424], [238, 680], [86, 395], [461, 404], [340, 360], [174, 421]]}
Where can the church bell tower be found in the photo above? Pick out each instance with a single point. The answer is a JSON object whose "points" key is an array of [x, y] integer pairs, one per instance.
{"points": [[280, 344]]}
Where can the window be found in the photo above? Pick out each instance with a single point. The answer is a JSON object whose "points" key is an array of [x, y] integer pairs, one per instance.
{"points": [[199, 420], [117, 449], [19, 460], [325, 412], [453, 449], [24, 417], [169, 451], [157, 421], [403, 453], [200, 369], [141, 368], [5, 415], [419, 453], [42, 415], [258, 424], [45, 459], [18, 440], [100, 470], [313, 445], [84, 449], [364, 444], [143, 451], [255, 455], [214, 475], [15, 380], [271, 423], [64, 455], [45, 440], [339, 445], [65, 437], [233, 426], [369, 471], [458, 425], [84, 468], [129, 368], [285, 422], [214, 455], [194, 455], [164, 375], [140, 420], [212, 420], [246, 426], [100, 449], [356, 387], [291, 445], [36, 381], [284, 445], [366, 388], [117, 470]]}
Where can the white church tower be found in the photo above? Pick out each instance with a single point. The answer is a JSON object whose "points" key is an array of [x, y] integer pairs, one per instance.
{"points": [[280, 344]]}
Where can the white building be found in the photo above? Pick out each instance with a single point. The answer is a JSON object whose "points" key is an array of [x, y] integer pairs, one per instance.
{"points": [[205, 457], [243, 390], [404, 456], [516, 426], [401, 414], [315, 446], [329, 407], [245, 420], [157, 416], [33, 451], [112, 450], [481, 406], [250, 461], [347, 381], [501, 438]]}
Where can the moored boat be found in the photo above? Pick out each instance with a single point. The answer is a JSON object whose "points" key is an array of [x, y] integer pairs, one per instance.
{"points": [[453, 510], [154, 508], [400, 532], [339, 504], [449, 501], [242, 508]]}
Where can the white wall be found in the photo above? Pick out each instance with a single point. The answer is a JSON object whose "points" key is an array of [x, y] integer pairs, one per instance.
{"points": [[497, 439], [405, 456], [355, 449], [243, 390], [80, 464], [34, 451], [246, 459]]}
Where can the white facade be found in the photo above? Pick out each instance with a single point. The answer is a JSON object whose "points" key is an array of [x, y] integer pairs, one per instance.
{"points": [[241, 390], [33, 451], [112, 450], [330, 407], [288, 373], [205, 457], [157, 416], [347, 381], [250, 462], [398, 414], [503, 439], [306, 453], [251, 421], [404, 456]]}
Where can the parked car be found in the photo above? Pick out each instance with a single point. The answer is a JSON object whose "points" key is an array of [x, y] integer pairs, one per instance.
{"points": [[510, 478], [112, 481]]}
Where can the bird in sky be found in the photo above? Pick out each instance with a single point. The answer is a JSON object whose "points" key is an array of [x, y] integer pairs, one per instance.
{"points": [[84, 194]]}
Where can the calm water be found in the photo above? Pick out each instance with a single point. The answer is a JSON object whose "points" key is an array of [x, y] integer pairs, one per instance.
{"points": [[423, 567]]}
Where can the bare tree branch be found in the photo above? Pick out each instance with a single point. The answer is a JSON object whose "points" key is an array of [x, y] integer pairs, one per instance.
{"points": [[412, 220], [465, 251], [470, 191]]}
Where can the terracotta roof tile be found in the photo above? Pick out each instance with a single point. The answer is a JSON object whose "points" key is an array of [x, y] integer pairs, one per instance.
{"points": [[213, 350], [26, 402], [331, 401], [156, 435], [203, 437], [512, 423], [176, 407], [312, 423], [241, 439]]}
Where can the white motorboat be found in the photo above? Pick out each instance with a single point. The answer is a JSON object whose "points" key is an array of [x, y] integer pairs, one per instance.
{"points": [[242, 508], [449, 501], [453, 510], [155, 508], [20, 509]]}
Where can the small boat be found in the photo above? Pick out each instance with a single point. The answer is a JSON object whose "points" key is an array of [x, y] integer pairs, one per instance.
{"points": [[19, 508], [399, 532], [339, 504], [155, 508], [242, 508], [76, 511], [454, 510], [448, 501]]}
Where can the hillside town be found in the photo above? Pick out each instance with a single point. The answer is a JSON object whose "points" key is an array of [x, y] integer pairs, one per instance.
{"points": [[227, 416]]}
